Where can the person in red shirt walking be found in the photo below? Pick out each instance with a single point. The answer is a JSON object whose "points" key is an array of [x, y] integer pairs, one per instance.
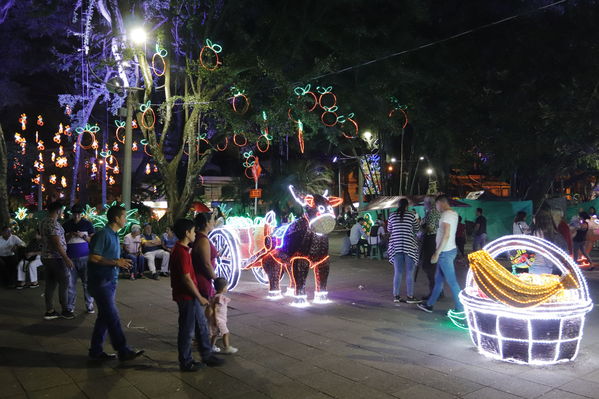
{"points": [[192, 320]]}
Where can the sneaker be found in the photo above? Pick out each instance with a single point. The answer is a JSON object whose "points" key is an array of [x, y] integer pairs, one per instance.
{"points": [[102, 356], [164, 274], [425, 307], [194, 366], [67, 314], [215, 349], [214, 361], [130, 355], [411, 299], [20, 287], [90, 310], [229, 350], [51, 315], [132, 277], [34, 285], [139, 276], [402, 300], [396, 299], [155, 276]]}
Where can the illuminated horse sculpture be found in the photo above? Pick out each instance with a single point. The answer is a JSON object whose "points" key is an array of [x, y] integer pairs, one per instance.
{"points": [[300, 246]]}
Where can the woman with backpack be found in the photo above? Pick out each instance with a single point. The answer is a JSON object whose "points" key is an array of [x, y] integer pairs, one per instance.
{"points": [[403, 249]]}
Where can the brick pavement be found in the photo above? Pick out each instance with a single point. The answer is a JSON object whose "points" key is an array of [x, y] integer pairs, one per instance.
{"points": [[359, 346]]}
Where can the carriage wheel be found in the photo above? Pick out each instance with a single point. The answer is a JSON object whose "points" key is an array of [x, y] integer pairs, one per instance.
{"points": [[228, 264], [260, 275]]}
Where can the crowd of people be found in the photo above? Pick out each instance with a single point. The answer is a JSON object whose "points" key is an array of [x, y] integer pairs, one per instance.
{"points": [[433, 243], [75, 250]]}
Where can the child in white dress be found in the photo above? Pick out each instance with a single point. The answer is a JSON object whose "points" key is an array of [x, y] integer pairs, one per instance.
{"points": [[218, 321]]}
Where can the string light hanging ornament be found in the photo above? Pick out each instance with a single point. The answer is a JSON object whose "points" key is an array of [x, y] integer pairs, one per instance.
{"points": [[40, 120], [399, 109], [525, 318], [300, 135], [147, 113], [159, 57], [91, 132], [210, 50], [23, 121], [240, 140], [351, 131], [223, 146], [248, 164], [263, 143], [120, 126], [239, 101], [145, 143]]}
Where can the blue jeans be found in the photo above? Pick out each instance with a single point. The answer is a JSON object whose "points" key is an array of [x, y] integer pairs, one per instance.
{"points": [[80, 270], [192, 323], [108, 319], [446, 273], [400, 260], [479, 241], [138, 263]]}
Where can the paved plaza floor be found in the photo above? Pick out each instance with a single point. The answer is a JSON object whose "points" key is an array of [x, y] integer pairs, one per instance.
{"points": [[360, 346]]}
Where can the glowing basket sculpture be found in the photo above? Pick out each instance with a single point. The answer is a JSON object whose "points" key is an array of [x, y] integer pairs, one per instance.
{"points": [[534, 319]]}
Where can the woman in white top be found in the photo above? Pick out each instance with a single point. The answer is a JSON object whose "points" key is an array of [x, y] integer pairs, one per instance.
{"points": [[520, 226]]}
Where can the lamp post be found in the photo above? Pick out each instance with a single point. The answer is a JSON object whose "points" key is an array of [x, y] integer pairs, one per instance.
{"points": [[138, 36], [415, 174]]}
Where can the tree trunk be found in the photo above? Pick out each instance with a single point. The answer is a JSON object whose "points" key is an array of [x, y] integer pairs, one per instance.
{"points": [[4, 214]]}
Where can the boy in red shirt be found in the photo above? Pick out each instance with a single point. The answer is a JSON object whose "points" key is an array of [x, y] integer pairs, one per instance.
{"points": [[192, 321]]}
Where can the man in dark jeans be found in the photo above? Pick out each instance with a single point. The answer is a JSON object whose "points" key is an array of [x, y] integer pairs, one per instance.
{"points": [[192, 321], [56, 263], [429, 226], [78, 232], [103, 271], [480, 231]]}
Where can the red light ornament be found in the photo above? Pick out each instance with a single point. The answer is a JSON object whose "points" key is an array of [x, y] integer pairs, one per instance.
{"points": [[120, 126], [159, 58], [210, 51], [237, 141], [91, 132], [148, 117], [23, 121], [221, 147]]}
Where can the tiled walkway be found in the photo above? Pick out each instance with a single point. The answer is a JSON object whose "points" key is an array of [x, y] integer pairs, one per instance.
{"points": [[360, 346]]}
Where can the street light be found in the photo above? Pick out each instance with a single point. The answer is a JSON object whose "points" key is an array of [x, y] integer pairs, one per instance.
{"points": [[367, 135], [429, 171], [393, 160], [421, 159], [138, 35]]}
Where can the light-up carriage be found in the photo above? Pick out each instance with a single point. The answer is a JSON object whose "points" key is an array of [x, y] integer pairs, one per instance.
{"points": [[241, 244], [525, 318], [294, 248]]}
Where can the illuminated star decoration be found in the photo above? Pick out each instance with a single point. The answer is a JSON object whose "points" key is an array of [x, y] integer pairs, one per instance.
{"points": [[21, 213]]}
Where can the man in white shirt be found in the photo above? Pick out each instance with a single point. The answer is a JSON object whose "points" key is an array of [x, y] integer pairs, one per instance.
{"points": [[444, 256], [132, 246], [8, 258]]}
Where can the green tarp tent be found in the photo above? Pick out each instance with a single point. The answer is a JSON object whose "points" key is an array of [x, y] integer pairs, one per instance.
{"points": [[500, 214]]}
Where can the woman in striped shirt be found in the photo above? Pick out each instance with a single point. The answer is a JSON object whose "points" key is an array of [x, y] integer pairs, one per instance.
{"points": [[403, 249]]}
